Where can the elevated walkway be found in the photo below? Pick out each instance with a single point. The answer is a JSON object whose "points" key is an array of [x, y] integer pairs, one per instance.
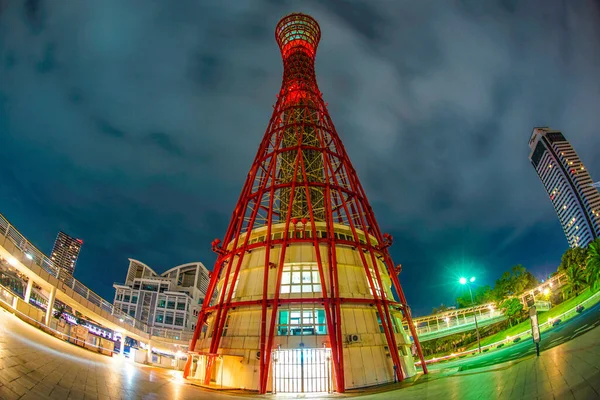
{"points": [[456, 321], [463, 319], [56, 284]]}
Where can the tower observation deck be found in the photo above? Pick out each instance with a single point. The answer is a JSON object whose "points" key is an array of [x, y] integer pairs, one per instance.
{"points": [[303, 276]]}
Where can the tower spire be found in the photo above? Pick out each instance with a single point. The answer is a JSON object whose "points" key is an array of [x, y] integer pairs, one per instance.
{"points": [[303, 249]]}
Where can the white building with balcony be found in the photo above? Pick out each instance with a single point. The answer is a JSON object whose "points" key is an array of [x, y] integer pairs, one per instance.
{"points": [[171, 300]]}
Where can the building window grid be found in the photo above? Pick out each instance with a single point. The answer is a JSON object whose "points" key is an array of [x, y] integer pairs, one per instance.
{"points": [[306, 320], [300, 278], [552, 177]]}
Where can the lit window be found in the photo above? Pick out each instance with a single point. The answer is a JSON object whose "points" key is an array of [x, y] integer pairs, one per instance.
{"points": [[375, 283], [302, 278], [379, 321], [226, 326], [302, 321], [237, 281]]}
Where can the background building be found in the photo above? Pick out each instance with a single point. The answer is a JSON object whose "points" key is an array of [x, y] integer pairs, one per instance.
{"points": [[65, 252], [170, 300], [569, 185]]}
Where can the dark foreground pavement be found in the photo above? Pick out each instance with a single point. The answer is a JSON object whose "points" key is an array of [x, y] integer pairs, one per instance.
{"points": [[34, 365]]}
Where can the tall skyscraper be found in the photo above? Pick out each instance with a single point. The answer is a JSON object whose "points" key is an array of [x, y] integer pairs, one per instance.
{"points": [[304, 277], [569, 185], [65, 252]]}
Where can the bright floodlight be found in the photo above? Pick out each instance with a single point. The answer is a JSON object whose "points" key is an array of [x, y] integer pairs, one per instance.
{"points": [[462, 281], [546, 291], [472, 279]]}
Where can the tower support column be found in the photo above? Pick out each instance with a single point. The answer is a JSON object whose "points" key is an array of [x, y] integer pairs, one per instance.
{"points": [[50, 308]]}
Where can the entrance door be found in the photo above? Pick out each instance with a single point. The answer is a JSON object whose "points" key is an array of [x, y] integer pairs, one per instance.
{"points": [[301, 370]]}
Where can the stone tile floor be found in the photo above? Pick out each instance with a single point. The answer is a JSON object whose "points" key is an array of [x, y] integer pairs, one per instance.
{"points": [[34, 365]]}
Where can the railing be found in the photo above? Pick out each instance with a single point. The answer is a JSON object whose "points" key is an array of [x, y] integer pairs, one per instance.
{"points": [[30, 253], [455, 313], [172, 334], [449, 324], [543, 327]]}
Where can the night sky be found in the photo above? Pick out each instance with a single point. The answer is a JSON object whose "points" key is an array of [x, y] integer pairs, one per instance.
{"points": [[133, 124]]}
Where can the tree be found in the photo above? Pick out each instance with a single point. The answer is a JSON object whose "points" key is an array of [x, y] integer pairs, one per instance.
{"points": [[481, 295], [576, 281], [513, 283], [574, 256], [593, 264], [512, 309], [440, 309]]}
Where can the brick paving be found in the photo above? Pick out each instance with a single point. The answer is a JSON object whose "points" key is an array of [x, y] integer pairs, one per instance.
{"points": [[34, 365]]}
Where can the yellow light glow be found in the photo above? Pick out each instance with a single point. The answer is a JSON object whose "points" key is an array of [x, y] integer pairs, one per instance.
{"points": [[546, 292], [12, 261]]}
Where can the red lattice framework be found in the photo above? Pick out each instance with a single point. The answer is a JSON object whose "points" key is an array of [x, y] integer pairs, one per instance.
{"points": [[302, 174]]}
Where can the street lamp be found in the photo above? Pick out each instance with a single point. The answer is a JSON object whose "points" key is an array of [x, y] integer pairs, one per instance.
{"points": [[463, 281]]}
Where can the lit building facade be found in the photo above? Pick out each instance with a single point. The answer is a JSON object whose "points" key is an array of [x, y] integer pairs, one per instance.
{"points": [[66, 251], [303, 276], [568, 184], [171, 300]]}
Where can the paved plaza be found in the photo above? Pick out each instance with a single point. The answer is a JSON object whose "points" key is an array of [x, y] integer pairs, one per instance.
{"points": [[34, 365]]}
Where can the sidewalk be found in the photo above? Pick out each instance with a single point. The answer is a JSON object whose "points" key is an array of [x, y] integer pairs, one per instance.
{"points": [[568, 371], [34, 365]]}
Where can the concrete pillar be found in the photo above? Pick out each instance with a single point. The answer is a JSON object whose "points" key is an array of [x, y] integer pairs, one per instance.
{"points": [[50, 305], [28, 290], [149, 350], [15, 302], [123, 344]]}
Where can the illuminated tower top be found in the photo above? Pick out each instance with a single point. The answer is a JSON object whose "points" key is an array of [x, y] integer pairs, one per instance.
{"points": [[298, 36]]}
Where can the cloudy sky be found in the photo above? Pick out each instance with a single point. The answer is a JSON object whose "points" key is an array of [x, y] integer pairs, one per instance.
{"points": [[132, 124]]}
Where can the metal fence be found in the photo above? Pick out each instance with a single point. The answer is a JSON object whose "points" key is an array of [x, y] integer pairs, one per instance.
{"points": [[29, 253]]}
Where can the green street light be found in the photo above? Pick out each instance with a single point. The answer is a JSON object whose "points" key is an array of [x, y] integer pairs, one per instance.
{"points": [[463, 281]]}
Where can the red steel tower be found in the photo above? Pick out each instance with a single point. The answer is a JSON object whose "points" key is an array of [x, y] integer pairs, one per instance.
{"points": [[303, 276]]}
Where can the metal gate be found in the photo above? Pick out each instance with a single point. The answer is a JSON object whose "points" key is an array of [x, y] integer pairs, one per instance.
{"points": [[302, 370]]}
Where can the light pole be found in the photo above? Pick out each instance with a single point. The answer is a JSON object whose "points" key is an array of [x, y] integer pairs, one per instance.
{"points": [[463, 281]]}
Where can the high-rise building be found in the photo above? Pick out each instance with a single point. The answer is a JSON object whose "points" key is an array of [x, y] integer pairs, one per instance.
{"points": [[65, 252], [171, 300], [304, 277], [569, 185]]}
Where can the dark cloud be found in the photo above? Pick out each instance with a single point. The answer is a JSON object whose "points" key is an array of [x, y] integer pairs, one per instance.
{"points": [[33, 13], [166, 143], [48, 61], [106, 128], [133, 124]]}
